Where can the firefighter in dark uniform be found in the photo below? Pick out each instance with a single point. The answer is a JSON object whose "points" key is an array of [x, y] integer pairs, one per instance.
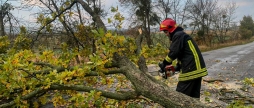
{"points": [[189, 57]]}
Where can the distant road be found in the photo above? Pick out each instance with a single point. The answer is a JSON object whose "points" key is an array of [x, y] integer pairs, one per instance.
{"points": [[231, 63]]}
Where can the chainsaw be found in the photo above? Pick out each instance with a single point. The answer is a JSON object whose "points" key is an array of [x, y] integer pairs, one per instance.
{"points": [[169, 71]]}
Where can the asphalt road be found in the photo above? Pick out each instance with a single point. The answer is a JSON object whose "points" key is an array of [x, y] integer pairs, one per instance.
{"points": [[231, 63]]}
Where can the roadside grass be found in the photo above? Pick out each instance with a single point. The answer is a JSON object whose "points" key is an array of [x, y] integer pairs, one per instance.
{"points": [[205, 48]]}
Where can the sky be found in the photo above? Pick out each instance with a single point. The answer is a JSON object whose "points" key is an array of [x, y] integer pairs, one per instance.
{"points": [[29, 14], [244, 7]]}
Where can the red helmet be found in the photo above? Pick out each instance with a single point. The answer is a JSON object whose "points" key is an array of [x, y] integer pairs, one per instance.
{"points": [[168, 25]]}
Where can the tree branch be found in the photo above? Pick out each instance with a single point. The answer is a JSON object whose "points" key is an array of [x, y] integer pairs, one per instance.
{"points": [[96, 18], [212, 80], [61, 69], [28, 96], [118, 96], [67, 28], [60, 13], [44, 64]]}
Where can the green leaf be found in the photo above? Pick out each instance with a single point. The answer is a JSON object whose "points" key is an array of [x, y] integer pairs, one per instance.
{"points": [[109, 20], [113, 9], [207, 93]]}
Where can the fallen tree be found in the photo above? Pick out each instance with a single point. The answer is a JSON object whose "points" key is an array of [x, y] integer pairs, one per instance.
{"points": [[145, 85], [34, 79]]}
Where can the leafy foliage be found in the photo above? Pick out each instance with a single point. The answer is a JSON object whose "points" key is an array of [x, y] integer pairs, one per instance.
{"points": [[25, 72], [22, 42], [85, 35], [117, 19], [4, 43], [249, 81], [238, 104]]}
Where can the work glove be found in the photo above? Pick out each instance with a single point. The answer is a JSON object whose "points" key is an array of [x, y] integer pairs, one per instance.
{"points": [[166, 70], [162, 65]]}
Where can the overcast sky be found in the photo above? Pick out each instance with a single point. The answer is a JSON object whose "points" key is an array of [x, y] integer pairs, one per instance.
{"points": [[245, 7]]}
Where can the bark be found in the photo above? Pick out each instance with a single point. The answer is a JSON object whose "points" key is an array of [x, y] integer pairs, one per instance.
{"points": [[139, 40], [142, 64]]}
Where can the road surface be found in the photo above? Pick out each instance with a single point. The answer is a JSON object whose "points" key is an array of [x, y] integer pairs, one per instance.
{"points": [[231, 63]]}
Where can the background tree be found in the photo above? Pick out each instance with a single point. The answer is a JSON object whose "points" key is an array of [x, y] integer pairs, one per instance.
{"points": [[164, 6], [174, 9], [72, 19], [200, 12], [144, 13], [223, 20], [211, 21], [246, 27], [5, 16]]}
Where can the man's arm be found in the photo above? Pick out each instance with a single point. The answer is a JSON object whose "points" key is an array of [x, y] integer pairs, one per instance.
{"points": [[174, 49]]}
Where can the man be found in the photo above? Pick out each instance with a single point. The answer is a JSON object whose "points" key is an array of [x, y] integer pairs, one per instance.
{"points": [[185, 50]]}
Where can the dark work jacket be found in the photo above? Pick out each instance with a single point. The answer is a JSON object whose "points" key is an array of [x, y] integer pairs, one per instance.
{"points": [[186, 51]]}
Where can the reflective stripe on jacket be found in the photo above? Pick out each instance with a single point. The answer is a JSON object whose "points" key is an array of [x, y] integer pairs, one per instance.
{"points": [[188, 54]]}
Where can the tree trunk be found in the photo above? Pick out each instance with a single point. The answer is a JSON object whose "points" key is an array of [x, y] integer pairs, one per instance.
{"points": [[155, 90], [139, 40], [2, 32], [148, 36]]}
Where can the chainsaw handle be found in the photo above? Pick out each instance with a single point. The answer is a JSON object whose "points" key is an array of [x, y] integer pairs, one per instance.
{"points": [[169, 68], [166, 69]]}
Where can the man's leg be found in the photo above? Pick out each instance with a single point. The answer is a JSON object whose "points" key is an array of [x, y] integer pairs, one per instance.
{"points": [[190, 88], [196, 88]]}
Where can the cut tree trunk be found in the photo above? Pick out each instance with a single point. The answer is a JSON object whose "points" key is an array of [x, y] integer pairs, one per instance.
{"points": [[155, 90]]}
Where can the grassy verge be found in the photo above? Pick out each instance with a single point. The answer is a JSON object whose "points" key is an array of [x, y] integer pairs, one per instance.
{"points": [[204, 48]]}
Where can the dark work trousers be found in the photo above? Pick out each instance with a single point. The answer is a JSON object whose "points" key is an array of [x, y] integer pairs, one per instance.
{"points": [[190, 88]]}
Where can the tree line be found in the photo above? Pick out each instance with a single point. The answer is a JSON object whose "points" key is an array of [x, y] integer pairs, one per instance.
{"points": [[208, 21]]}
